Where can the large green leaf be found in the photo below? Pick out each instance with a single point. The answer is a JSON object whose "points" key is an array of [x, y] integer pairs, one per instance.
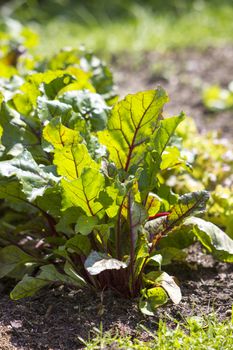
{"points": [[131, 125], [84, 192], [28, 286], [213, 239], [85, 224]]}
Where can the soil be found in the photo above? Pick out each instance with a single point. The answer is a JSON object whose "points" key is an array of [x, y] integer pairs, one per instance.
{"points": [[57, 319]]}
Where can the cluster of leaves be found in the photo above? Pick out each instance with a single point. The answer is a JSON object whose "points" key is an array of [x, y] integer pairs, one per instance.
{"points": [[211, 159], [217, 99], [81, 183]]}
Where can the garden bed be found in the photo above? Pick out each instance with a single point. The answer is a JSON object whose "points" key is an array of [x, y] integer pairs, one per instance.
{"points": [[56, 318]]}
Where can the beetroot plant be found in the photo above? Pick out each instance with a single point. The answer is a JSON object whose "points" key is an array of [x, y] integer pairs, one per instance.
{"points": [[81, 181]]}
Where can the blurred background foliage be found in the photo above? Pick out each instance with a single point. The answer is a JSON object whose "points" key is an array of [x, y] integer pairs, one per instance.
{"points": [[124, 25]]}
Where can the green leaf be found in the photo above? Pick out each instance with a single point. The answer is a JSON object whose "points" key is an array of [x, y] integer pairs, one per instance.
{"points": [[15, 134], [141, 253], [84, 192], [167, 256], [89, 106], [148, 179], [213, 239], [171, 158], [11, 190], [188, 204], [85, 224], [68, 217], [53, 87], [59, 135], [79, 244], [25, 99], [131, 125], [165, 131], [50, 273], [27, 287], [153, 204], [167, 282], [70, 156], [217, 99], [70, 271], [33, 178], [98, 262], [50, 109], [12, 257], [179, 238], [152, 299]]}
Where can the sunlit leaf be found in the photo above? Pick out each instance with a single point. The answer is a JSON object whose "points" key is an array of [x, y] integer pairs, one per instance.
{"points": [[131, 125]]}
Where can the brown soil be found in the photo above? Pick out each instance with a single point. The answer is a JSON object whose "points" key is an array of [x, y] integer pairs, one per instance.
{"points": [[56, 319]]}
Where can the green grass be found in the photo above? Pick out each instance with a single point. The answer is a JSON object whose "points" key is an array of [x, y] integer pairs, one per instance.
{"points": [[198, 333], [202, 26]]}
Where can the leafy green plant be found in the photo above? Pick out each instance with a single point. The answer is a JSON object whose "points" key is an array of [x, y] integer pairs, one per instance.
{"points": [[81, 183], [211, 159]]}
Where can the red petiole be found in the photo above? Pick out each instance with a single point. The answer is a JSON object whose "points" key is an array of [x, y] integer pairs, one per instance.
{"points": [[158, 215]]}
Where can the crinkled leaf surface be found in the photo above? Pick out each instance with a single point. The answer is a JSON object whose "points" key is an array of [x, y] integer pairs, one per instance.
{"points": [[98, 262], [89, 105], [33, 178], [131, 125], [188, 204], [48, 109], [215, 240]]}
